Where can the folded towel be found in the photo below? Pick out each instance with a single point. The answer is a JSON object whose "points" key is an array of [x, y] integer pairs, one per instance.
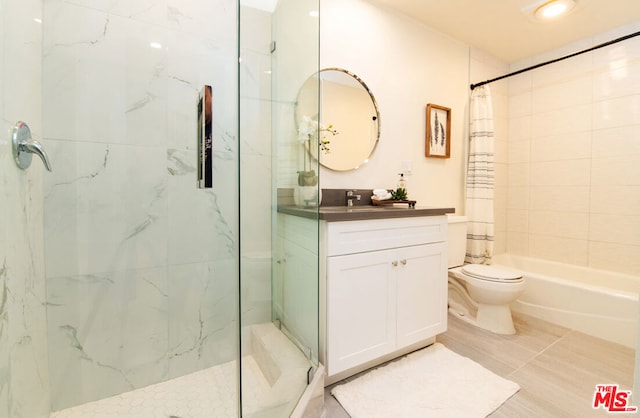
{"points": [[380, 192], [385, 197]]}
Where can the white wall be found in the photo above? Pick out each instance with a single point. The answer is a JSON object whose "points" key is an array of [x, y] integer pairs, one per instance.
{"points": [[406, 65], [574, 156]]}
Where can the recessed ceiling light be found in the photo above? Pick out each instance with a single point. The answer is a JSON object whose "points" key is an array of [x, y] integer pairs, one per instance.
{"points": [[554, 8]]}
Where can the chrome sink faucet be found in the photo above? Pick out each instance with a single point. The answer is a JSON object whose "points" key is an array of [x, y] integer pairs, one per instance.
{"points": [[351, 196]]}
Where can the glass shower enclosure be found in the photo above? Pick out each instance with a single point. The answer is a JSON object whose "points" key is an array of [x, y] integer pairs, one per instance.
{"points": [[126, 288]]}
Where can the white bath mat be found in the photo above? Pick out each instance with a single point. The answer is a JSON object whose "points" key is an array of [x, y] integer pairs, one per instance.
{"points": [[432, 382]]}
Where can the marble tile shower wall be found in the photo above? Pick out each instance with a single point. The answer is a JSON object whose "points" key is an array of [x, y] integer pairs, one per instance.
{"points": [[141, 266], [574, 157], [24, 390]]}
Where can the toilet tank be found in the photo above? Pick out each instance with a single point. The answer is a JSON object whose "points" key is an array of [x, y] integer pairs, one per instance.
{"points": [[456, 239]]}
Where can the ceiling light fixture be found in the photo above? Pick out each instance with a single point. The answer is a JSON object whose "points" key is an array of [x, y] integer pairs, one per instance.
{"points": [[554, 8]]}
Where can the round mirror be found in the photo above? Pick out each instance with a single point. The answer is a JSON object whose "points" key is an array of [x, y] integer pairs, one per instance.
{"points": [[349, 125]]}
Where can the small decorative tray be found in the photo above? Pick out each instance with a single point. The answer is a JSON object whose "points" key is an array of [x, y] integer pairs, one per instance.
{"points": [[376, 202]]}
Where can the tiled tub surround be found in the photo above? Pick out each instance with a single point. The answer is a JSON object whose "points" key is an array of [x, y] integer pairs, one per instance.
{"points": [[274, 372], [573, 168]]}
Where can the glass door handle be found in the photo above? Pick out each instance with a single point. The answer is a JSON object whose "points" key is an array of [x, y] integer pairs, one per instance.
{"points": [[24, 147]]}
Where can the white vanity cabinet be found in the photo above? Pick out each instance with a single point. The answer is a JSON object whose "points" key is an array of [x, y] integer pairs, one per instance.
{"points": [[385, 288]]}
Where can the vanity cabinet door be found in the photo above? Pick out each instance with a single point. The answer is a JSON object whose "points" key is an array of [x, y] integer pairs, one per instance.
{"points": [[361, 308], [421, 293]]}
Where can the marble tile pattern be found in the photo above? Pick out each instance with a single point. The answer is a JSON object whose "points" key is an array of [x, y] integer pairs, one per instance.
{"points": [[141, 266], [209, 393], [557, 368], [274, 374], [24, 390]]}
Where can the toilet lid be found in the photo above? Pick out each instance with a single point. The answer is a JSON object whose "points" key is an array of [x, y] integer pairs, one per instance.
{"points": [[485, 272]]}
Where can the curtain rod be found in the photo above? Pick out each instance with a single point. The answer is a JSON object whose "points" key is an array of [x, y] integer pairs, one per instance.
{"points": [[533, 67]]}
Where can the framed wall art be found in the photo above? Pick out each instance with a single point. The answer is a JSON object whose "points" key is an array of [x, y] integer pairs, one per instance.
{"points": [[438, 141]]}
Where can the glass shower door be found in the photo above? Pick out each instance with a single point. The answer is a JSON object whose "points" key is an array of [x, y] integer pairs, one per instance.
{"points": [[141, 264], [115, 267], [279, 265]]}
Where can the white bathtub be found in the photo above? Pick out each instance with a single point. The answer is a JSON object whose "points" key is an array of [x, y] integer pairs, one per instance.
{"points": [[597, 302]]}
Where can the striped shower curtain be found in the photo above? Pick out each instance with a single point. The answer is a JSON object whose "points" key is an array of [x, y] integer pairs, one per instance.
{"points": [[479, 194]]}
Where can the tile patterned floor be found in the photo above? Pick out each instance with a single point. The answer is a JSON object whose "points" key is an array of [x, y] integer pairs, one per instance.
{"points": [[557, 368], [267, 392], [194, 396]]}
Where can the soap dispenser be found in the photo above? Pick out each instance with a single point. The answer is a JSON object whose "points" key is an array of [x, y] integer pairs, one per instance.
{"points": [[402, 183]]}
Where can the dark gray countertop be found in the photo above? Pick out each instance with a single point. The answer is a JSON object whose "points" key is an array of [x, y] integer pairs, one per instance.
{"points": [[363, 212]]}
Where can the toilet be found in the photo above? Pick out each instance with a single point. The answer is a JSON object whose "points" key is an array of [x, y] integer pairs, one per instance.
{"points": [[478, 293]]}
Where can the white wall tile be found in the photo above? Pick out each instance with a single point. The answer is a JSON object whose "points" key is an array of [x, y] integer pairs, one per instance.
{"points": [[559, 224], [620, 78], [520, 105], [520, 128], [518, 220], [614, 257], [564, 250], [561, 173], [500, 244], [561, 121], [518, 197], [616, 171], [621, 111], [620, 229], [519, 152], [500, 179], [518, 174], [501, 151], [560, 198], [615, 200], [518, 243], [500, 219], [574, 145], [520, 83], [573, 91], [616, 142]]}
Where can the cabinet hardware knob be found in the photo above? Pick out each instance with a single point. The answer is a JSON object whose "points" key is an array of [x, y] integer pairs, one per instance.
{"points": [[404, 262], [394, 263]]}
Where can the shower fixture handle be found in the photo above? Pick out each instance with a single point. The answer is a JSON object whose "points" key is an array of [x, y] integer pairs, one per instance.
{"points": [[24, 147]]}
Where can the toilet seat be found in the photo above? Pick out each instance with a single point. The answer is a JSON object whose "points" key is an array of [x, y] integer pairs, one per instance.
{"points": [[491, 273]]}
